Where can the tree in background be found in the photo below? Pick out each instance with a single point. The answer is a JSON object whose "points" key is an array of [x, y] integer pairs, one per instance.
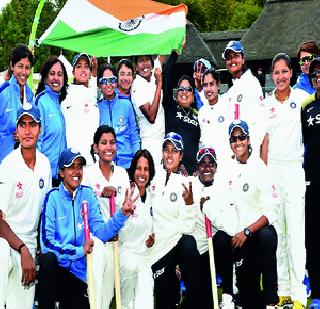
{"points": [[207, 15], [16, 22]]}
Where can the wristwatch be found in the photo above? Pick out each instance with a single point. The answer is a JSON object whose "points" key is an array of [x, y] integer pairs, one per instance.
{"points": [[247, 232]]}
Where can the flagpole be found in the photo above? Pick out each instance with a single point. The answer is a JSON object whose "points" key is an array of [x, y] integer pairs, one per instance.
{"points": [[32, 37]]}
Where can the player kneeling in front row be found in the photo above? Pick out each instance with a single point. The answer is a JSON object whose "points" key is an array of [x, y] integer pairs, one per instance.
{"points": [[62, 275]]}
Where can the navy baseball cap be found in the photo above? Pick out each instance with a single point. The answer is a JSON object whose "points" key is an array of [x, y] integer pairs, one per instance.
{"points": [[78, 56], [235, 46], [239, 124], [175, 139], [206, 64], [30, 110], [68, 156]]}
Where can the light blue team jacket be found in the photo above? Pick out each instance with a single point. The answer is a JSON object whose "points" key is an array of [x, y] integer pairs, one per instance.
{"points": [[52, 141], [119, 114], [62, 227], [9, 105]]}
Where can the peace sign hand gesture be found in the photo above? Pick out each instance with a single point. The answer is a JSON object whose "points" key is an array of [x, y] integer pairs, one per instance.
{"points": [[187, 194]]}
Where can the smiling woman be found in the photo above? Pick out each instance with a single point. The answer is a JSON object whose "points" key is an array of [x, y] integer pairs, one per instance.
{"points": [[51, 91], [13, 94], [285, 153]]}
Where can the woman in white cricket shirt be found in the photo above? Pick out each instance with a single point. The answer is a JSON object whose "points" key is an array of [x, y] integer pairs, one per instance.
{"points": [[136, 238], [105, 178], [80, 107], [248, 191], [173, 223], [284, 157]]}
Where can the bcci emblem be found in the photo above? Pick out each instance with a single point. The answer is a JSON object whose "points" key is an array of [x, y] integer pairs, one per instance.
{"points": [[293, 105], [245, 187], [173, 197], [239, 98], [41, 183]]}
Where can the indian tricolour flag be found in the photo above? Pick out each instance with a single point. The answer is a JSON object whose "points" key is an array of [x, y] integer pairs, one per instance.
{"points": [[118, 28]]}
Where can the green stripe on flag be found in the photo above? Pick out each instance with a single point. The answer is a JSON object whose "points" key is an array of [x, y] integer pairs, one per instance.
{"points": [[118, 43]]}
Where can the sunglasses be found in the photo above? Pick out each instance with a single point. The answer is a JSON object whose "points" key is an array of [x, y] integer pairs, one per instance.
{"points": [[315, 73], [185, 89], [206, 151], [241, 138], [306, 58], [108, 80]]}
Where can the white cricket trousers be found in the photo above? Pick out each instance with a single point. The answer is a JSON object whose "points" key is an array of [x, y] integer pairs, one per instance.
{"points": [[136, 281], [291, 253], [103, 272], [12, 292]]}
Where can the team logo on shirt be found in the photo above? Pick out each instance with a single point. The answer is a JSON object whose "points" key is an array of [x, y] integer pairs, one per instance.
{"points": [[173, 197], [245, 187], [293, 105], [239, 98], [41, 183], [221, 119], [119, 190], [86, 108], [19, 193]]}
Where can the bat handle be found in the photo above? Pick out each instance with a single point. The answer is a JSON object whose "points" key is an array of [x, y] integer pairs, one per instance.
{"points": [[85, 220], [208, 227]]}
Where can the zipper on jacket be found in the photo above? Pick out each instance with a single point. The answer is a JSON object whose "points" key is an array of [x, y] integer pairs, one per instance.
{"points": [[111, 125], [74, 227]]}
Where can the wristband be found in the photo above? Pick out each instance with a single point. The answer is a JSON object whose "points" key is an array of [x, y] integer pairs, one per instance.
{"points": [[20, 247]]}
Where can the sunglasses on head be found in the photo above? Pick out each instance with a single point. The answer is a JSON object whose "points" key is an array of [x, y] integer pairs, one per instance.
{"points": [[206, 151], [306, 58], [241, 138], [315, 73], [185, 89], [108, 80]]}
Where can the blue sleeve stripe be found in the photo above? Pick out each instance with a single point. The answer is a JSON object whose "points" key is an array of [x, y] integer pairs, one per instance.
{"points": [[46, 241], [4, 86], [38, 97]]}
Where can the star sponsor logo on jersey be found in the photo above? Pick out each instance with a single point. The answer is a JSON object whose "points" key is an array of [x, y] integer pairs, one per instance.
{"points": [[273, 113], [173, 196], [158, 273], [313, 120], [187, 119], [274, 192], [86, 108], [41, 183], [19, 193], [293, 105], [221, 119], [97, 190]]}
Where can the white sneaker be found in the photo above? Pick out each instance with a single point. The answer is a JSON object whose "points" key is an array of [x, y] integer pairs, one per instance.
{"points": [[227, 302]]}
